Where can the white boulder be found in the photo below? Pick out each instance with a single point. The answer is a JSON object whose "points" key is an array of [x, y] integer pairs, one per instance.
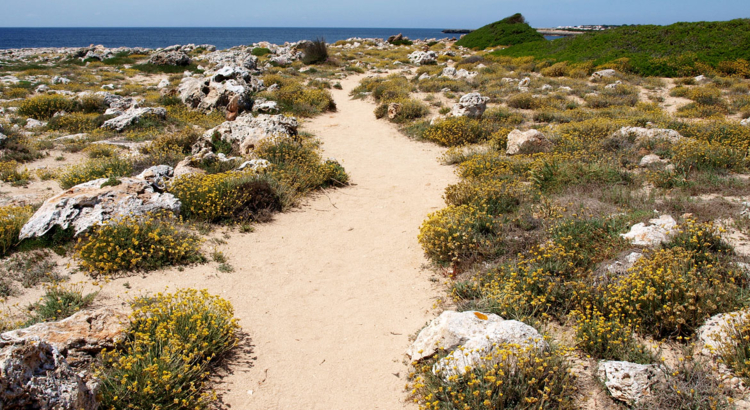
{"points": [[423, 57], [603, 74], [470, 105], [133, 116], [247, 131], [659, 231], [645, 134], [527, 142], [629, 382]]}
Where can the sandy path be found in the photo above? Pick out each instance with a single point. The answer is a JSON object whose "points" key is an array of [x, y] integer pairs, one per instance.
{"points": [[330, 293]]}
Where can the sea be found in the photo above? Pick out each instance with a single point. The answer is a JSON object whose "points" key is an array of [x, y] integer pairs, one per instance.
{"points": [[221, 37]]}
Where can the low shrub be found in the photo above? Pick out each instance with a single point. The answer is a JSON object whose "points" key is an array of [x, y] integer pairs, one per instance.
{"points": [[58, 303], [734, 349], [457, 234], [170, 345], [411, 109], [12, 219], [514, 378], [76, 122], [607, 338], [43, 107], [695, 155], [494, 196], [524, 101], [384, 89], [260, 51], [31, 268], [9, 172], [94, 169], [455, 131], [299, 100], [142, 243], [315, 52]]}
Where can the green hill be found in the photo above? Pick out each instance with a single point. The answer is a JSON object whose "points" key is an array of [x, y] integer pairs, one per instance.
{"points": [[506, 32], [675, 50]]}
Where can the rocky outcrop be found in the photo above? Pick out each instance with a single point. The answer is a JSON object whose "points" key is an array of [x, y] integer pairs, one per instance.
{"points": [[470, 105], [157, 175], [629, 382], [34, 375], [716, 331], [650, 159], [91, 203], [423, 57], [745, 122], [603, 74], [264, 106], [173, 58], [246, 132], [451, 72], [659, 231], [219, 89], [528, 142], [79, 337], [646, 134], [471, 337], [133, 116]]}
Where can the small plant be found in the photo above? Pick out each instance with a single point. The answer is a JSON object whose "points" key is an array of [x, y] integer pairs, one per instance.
{"points": [[60, 302], [94, 169], [260, 51], [12, 219], [457, 234], [43, 107], [316, 52], [137, 243], [169, 348], [456, 131], [9, 173]]}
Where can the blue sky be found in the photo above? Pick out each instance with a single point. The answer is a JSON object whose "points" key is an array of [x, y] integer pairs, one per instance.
{"points": [[353, 13]]}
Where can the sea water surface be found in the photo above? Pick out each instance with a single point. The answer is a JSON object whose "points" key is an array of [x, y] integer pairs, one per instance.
{"points": [[221, 37]]}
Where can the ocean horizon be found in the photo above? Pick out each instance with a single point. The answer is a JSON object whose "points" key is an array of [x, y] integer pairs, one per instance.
{"points": [[221, 37]]}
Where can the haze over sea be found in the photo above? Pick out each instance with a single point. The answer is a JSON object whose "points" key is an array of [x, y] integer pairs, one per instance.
{"points": [[221, 37]]}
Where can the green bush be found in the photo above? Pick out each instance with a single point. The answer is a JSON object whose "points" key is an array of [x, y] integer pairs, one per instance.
{"points": [[315, 52], [58, 303], [12, 219], [508, 31], [260, 51], [456, 131], [458, 234]]}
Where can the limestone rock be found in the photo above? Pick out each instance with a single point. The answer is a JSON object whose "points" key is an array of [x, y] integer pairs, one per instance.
{"points": [[264, 106], [745, 122], [423, 57], [133, 116], [218, 89], [470, 336], [157, 175], [715, 332], [603, 73], [623, 265], [660, 231], [79, 337], [525, 82], [247, 131], [32, 123], [629, 382], [650, 159], [528, 142], [394, 109], [60, 80], [254, 164], [174, 58], [470, 105], [164, 83], [86, 205], [644, 134], [34, 375]]}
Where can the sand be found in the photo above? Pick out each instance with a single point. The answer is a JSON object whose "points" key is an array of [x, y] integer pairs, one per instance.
{"points": [[329, 293]]}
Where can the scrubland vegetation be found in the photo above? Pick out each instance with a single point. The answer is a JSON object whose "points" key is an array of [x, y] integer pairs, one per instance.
{"points": [[533, 236]]}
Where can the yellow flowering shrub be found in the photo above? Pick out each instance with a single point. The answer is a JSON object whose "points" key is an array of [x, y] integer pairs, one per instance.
{"points": [[9, 172], [696, 155], [76, 122], [12, 219], [457, 234], [94, 169], [734, 350], [494, 196], [511, 377], [165, 359], [608, 338], [137, 244], [43, 107], [455, 131]]}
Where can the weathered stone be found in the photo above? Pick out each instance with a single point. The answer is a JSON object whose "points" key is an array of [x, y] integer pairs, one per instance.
{"points": [[60, 80], [218, 90], [715, 332], [79, 337], [471, 336], [263, 106], [174, 58], [470, 105], [603, 73], [623, 265], [164, 83], [423, 58], [613, 86], [394, 109], [157, 175], [650, 159], [629, 382], [645, 134], [32, 123], [133, 116], [254, 164], [660, 231], [745, 122], [90, 204], [528, 142], [34, 375], [247, 131], [525, 82]]}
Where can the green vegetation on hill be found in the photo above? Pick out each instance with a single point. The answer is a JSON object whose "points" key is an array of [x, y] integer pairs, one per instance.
{"points": [[506, 32], [679, 49]]}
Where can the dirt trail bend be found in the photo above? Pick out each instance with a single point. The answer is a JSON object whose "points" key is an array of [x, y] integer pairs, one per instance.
{"points": [[329, 293]]}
